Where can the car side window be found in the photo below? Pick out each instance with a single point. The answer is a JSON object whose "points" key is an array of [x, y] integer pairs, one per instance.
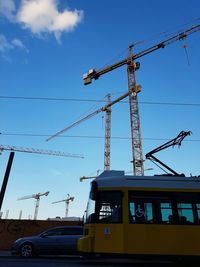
{"points": [[72, 231], [54, 232]]}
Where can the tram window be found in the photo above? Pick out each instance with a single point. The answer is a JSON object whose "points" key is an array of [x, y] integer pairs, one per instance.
{"points": [[166, 212], [109, 207], [185, 213], [198, 212], [141, 211]]}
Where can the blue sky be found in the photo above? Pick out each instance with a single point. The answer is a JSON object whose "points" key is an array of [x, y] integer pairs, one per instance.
{"points": [[45, 48]]}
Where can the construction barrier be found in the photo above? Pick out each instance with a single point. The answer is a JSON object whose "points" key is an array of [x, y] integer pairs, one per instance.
{"points": [[10, 230]]}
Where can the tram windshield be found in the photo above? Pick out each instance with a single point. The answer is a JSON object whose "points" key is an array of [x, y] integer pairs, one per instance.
{"points": [[104, 206], [90, 211]]}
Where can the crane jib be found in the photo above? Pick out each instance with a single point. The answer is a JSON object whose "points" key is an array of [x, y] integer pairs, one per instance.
{"points": [[181, 36]]}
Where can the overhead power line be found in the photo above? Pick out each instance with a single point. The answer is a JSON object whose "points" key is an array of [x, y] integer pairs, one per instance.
{"points": [[92, 137], [95, 100]]}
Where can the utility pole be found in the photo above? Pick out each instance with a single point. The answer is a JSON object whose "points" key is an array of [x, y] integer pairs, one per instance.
{"points": [[6, 177]]}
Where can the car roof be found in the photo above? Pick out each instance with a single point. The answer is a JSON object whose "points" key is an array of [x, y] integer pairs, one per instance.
{"points": [[65, 226]]}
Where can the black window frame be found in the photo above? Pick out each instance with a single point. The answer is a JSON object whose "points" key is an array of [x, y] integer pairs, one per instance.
{"points": [[97, 210], [158, 197]]}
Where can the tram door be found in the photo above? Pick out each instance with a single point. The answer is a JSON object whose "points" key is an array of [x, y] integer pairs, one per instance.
{"points": [[109, 227]]}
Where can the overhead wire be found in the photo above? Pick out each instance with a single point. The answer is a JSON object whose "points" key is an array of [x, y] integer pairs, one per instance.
{"points": [[94, 100], [90, 136]]}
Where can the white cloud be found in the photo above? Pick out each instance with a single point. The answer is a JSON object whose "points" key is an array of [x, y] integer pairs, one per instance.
{"points": [[5, 46], [42, 16], [18, 44], [7, 8]]}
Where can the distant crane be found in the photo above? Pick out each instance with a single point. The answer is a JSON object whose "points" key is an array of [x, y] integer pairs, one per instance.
{"points": [[20, 214], [38, 151], [6, 216], [37, 203], [67, 201], [14, 149], [107, 109], [87, 177], [133, 90]]}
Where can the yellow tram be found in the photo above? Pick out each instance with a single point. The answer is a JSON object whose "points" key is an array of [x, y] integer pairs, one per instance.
{"points": [[142, 216]]}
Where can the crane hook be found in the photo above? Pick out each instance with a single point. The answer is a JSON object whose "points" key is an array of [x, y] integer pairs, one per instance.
{"points": [[186, 53]]}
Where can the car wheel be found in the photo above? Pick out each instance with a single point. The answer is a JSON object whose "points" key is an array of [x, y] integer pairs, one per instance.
{"points": [[26, 250]]}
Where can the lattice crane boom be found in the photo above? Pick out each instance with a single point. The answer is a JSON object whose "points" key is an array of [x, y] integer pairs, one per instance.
{"points": [[36, 196], [38, 151], [138, 162], [93, 74], [102, 109], [27, 197], [107, 109]]}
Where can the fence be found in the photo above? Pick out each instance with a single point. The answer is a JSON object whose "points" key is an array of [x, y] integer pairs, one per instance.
{"points": [[10, 230]]}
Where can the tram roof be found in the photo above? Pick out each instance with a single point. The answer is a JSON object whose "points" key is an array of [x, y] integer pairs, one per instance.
{"points": [[119, 179]]}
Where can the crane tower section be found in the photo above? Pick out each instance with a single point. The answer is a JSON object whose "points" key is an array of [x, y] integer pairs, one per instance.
{"points": [[107, 136], [133, 89]]}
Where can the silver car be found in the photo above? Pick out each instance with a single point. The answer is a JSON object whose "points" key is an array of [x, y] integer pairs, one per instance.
{"points": [[55, 241]]}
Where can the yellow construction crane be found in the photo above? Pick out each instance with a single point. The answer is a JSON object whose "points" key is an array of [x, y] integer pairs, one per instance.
{"points": [[107, 109], [133, 90]]}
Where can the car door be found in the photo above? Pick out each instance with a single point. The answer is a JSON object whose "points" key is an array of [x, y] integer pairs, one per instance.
{"points": [[48, 242], [68, 239]]}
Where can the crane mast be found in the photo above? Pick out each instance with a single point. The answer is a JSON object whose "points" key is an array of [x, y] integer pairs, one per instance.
{"points": [[133, 90], [107, 135], [136, 140]]}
